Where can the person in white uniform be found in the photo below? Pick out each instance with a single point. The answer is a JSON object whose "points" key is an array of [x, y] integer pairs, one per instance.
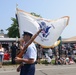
{"points": [[29, 57]]}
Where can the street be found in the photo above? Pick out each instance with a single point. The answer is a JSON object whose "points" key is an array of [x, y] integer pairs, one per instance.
{"points": [[43, 70]]}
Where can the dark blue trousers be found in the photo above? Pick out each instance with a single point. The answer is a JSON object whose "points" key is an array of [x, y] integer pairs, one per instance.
{"points": [[28, 69]]}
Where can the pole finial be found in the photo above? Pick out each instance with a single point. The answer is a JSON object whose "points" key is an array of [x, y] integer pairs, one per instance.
{"points": [[16, 6]]}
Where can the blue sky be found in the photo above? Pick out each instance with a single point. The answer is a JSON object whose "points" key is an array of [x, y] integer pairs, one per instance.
{"points": [[50, 9]]}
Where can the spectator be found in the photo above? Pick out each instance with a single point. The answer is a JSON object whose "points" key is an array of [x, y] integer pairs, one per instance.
{"points": [[1, 55], [71, 60], [67, 60], [6, 55], [62, 58], [50, 53], [13, 52], [48, 58], [69, 53], [74, 51], [39, 53], [74, 58], [57, 60]]}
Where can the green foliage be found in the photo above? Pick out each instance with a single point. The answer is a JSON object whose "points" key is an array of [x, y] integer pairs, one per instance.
{"points": [[45, 62], [13, 31]]}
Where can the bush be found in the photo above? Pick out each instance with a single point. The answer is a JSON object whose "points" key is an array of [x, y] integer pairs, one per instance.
{"points": [[45, 62]]}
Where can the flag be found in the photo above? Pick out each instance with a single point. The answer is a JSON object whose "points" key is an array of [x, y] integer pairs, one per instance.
{"points": [[51, 29]]}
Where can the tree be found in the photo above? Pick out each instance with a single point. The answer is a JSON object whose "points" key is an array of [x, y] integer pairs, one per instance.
{"points": [[13, 31]]}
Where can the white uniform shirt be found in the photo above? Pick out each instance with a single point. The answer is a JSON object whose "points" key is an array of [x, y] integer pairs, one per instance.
{"points": [[31, 52]]}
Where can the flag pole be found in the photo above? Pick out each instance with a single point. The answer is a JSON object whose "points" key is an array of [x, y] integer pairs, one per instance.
{"points": [[16, 16]]}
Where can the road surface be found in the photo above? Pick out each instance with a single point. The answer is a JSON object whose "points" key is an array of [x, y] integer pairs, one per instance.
{"points": [[43, 70]]}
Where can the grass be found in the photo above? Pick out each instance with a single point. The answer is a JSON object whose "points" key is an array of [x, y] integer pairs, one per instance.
{"points": [[8, 63], [42, 62]]}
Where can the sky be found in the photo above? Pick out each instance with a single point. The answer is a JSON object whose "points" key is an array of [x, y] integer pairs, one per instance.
{"points": [[49, 9]]}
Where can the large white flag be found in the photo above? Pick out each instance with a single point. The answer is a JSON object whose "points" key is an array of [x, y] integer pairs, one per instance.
{"points": [[51, 29]]}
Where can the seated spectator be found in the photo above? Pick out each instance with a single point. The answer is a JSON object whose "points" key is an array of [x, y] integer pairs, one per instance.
{"points": [[56, 60], [67, 60], [74, 58], [59, 61], [62, 58], [71, 60]]}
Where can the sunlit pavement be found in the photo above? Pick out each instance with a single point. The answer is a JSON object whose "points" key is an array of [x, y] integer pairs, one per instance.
{"points": [[43, 70]]}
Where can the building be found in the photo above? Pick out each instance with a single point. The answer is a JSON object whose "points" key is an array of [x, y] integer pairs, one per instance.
{"points": [[6, 41], [69, 40]]}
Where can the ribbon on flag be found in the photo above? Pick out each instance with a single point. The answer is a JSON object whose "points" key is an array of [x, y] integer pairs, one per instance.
{"points": [[52, 29]]}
